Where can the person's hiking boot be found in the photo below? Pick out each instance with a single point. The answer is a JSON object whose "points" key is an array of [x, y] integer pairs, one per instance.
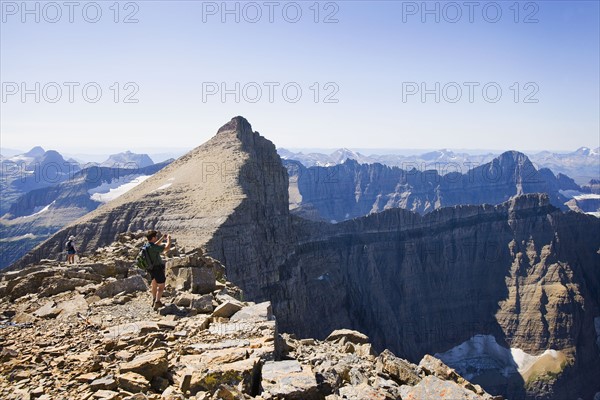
{"points": [[157, 305]]}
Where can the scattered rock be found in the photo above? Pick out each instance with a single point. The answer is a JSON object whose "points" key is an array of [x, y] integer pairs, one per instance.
{"points": [[257, 312], [289, 380], [432, 387], [149, 365], [128, 285], [106, 383], [401, 371], [183, 276], [133, 382], [48, 310], [227, 309], [349, 336]]}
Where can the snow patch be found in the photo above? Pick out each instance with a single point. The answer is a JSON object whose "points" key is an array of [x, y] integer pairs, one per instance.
{"points": [[111, 190], [587, 196], [37, 211], [17, 238], [577, 195], [482, 353], [570, 193], [21, 159]]}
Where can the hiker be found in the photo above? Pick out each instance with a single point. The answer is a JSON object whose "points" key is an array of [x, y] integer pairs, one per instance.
{"points": [[157, 272], [71, 251]]}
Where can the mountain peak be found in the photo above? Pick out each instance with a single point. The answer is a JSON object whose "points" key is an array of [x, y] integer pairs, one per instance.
{"points": [[35, 152], [237, 124], [513, 156]]}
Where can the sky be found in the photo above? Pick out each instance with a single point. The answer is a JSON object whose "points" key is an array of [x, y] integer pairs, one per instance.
{"points": [[110, 76]]}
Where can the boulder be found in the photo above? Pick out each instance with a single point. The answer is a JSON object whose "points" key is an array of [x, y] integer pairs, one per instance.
{"points": [[48, 310], [105, 383], [129, 285], [25, 284], [198, 279], [434, 366], [348, 335], [200, 303], [59, 284], [149, 365], [116, 269], [244, 373], [106, 395], [432, 387], [226, 392], [133, 382], [289, 380], [257, 312], [399, 370], [227, 309], [136, 328], [364, 391]]}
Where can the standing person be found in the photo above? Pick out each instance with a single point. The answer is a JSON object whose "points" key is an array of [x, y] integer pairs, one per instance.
{"points": [[157, 272], [71, 250]]}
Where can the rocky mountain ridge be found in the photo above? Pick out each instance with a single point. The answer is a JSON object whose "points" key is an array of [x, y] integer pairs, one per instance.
{"points": [[351, 190], [522, 272], [582, 164], [88, 331]]}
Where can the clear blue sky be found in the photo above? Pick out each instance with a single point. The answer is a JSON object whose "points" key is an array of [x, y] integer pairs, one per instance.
{"points": [[371, 57]]}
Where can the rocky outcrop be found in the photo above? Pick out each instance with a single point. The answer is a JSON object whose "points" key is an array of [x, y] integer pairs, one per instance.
{"points": [[349, 190], [521, 272], [118, 347]]}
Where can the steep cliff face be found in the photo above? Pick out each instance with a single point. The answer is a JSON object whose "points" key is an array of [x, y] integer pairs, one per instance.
{"points": [[522, 272], [351, 190]]}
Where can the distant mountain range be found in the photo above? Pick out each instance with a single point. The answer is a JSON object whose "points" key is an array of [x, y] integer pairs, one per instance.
{"points": [[38, 168], [39, 213], [582, 165], [42, 192], [350, 190]]}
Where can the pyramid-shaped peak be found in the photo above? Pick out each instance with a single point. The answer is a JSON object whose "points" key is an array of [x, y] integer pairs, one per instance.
{"points": [[237, 124]]}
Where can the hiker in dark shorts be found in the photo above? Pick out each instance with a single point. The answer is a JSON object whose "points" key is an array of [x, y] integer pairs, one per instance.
{"points": [[158, 270], [71, 250]]}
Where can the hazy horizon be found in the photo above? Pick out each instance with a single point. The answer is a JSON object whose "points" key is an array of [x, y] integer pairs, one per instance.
{"points": [[96, 156]]}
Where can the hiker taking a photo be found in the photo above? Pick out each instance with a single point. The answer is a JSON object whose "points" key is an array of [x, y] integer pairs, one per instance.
{"points": [[71, 250], [157, 270]]}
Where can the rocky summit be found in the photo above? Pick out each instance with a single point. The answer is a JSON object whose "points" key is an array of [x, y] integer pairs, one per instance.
{"points": [[506, 294], [88, 331]]}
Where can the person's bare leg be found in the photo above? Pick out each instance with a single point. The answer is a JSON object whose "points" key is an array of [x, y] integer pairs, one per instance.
{"points": [[153, 290], [160, 290]]}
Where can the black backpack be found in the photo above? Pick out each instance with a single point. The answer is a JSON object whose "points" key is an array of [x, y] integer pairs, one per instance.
{"points": [[143, 260]]}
